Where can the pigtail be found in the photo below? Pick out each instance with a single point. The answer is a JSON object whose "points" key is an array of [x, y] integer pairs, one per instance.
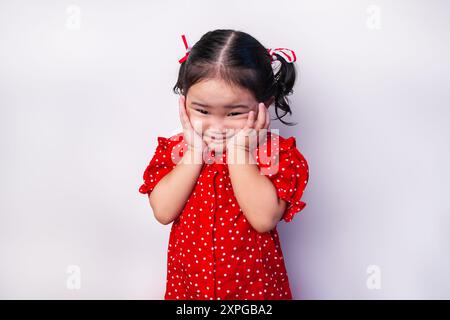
{"points": [[284, 77], [179, 87]]}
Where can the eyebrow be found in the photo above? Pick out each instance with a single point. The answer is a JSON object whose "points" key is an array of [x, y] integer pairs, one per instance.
{"points": [[228, 107]]}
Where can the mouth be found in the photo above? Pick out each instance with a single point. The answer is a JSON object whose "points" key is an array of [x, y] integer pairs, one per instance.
{"points": [[219, 136], [215, 140]]}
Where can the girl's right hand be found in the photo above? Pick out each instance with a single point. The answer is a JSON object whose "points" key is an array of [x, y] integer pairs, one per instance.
{"points": [[192, 138]]}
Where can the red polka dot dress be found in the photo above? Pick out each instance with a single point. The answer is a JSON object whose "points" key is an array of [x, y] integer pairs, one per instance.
{"points": [[214, 253]]}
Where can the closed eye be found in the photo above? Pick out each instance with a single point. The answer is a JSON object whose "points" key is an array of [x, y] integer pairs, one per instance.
{"points": [[202, 111]]}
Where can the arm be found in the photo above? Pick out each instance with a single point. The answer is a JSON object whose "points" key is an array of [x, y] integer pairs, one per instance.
{"points": [[172, 192], [255, 193]]}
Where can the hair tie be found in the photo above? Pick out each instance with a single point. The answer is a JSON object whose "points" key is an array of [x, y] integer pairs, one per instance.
{"points": [[285, 53], [188, 49]]}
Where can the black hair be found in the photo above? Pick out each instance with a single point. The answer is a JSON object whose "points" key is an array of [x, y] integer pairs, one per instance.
{"points": [[238, 59]]}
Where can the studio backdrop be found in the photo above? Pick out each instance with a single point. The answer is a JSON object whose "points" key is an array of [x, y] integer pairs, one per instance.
{"points": [[86, 89]]}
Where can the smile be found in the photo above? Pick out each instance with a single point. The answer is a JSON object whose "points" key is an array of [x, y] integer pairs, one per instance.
{"points": [[218, 136]]}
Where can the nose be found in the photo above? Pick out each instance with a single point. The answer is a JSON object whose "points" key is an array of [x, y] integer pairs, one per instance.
{"points": [[217, 128]]}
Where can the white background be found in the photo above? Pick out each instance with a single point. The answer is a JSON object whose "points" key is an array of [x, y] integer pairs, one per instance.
{"points": [[86, 90]]}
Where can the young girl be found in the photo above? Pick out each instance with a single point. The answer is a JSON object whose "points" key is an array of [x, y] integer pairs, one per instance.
{"points": [[224, 193]]}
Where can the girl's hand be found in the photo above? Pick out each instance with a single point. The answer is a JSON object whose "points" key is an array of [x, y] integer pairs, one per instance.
{"points": [[256, 129], [192, 138]]}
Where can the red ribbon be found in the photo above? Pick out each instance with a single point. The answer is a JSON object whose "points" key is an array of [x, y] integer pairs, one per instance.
{"points": [[187, 49]]}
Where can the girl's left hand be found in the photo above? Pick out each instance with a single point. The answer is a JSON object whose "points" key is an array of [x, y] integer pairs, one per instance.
{"points": [[254, 132]]}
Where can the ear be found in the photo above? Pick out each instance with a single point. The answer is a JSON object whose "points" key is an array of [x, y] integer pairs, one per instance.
{"points": [[269, 102]]}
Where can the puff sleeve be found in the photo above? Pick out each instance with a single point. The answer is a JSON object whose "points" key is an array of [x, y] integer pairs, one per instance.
{"points": [[291, 177], [162, 162]]}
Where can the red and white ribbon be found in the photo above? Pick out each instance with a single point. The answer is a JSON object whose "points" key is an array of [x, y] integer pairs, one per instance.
{"points": [[285, 53]]}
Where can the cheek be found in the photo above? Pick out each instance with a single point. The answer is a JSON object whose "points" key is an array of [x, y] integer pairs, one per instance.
{"points": [[198, 122], [236, 124]]}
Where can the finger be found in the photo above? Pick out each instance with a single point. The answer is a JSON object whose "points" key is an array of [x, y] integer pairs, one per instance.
{"points": [[261, 117], [183, 115], [180, 110], [250, 120], [266, 125]]}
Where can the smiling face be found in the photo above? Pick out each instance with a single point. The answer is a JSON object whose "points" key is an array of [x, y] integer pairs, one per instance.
{"points": [[218, 108]]}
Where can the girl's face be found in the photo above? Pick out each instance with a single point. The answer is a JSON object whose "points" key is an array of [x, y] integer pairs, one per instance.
{"points": [[218, 110]]}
